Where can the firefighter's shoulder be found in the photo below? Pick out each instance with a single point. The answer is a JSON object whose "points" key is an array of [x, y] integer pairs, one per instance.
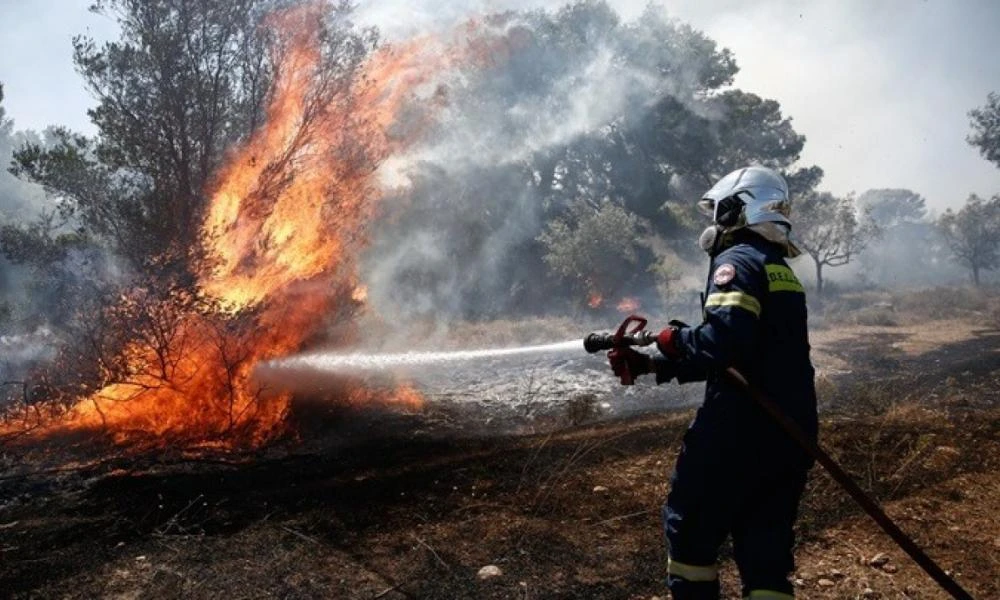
{"points": [[737, 281], [740, 263]]}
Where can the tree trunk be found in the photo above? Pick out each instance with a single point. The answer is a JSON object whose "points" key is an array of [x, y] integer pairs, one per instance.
{"points": [[819, 278], [975, 275]]}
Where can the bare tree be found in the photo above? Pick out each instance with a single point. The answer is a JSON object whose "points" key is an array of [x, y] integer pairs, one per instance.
{"points": [[831, 230], [973, 234]]}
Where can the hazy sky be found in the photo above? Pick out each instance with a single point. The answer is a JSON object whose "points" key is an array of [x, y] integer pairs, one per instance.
{"points": [[880, 89]]}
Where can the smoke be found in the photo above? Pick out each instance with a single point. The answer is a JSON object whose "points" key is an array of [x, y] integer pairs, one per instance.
{"points": [[19, 201], [400, 20], [540, 90], [39, 299], [21, 353]]}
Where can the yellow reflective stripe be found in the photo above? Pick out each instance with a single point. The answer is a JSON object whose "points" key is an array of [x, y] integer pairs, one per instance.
{"points": [[769, 595], [782, 279], [744, 301], [692, 572]]}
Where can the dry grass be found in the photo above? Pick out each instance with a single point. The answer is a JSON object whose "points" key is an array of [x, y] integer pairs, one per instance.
{"points": [[907, 307], [567, 514], [945, 302]]}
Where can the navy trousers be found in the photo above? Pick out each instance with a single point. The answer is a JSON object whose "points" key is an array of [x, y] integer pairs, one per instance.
{"points": [[728, 484]]}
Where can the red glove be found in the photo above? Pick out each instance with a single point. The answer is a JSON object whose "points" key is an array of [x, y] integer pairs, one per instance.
{"points": [[628, 364], [666, 342]]}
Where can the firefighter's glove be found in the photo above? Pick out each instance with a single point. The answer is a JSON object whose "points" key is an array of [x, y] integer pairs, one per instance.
{"points": [[666, 341], [628, 364], [665, 369]]}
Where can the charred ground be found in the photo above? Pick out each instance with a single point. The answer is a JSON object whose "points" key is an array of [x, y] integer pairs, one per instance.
{"points": [[383, 512]]}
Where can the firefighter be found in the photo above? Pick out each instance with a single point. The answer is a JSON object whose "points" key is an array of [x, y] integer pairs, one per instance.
{"points": [[738, 473]]}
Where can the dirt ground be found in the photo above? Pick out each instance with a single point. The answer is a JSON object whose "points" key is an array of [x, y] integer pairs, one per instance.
{"points": [[912, 412]]}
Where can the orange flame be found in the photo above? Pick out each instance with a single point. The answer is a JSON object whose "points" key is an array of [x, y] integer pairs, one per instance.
{"points": [[628, 305], [595, 300], [282, 229]]}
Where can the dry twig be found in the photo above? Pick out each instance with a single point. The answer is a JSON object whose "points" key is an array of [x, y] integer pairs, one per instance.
{"points": [[426, 545]]}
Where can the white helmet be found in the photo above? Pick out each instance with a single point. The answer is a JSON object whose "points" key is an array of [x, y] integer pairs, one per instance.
{"points": [[748, 196]]}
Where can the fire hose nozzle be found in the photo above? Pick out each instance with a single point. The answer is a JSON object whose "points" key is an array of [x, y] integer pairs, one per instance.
{"points": [[603, 340]]}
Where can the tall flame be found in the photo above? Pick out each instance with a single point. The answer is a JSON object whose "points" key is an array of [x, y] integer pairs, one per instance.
{"points": [[286, 217]]}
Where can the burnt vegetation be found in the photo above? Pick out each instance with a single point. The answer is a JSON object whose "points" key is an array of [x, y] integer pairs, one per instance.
{"points": [[553, 168], [558, 214], [380, 511]]}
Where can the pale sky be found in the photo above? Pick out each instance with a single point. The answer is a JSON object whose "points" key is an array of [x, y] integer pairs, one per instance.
{"points": [[880, 89]]}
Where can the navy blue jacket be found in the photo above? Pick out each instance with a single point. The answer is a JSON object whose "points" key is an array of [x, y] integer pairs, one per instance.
{"points": [[754, 320]]}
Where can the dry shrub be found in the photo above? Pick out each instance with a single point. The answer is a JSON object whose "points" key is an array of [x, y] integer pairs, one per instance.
{"points": [[861, 308], [880, 316], [865, 398], [890, 445], [582, 408], [944, 302]]}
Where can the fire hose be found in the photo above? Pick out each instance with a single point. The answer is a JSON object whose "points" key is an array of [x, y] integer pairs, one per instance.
{"points": [[636, 335]]}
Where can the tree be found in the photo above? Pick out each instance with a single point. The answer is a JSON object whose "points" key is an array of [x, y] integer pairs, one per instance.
{"points": [[830, 230], [18, 199], [186, 79], [973, 234], [892, 207], [985, 122], [594, 248], [901, 215], [575, 106]]}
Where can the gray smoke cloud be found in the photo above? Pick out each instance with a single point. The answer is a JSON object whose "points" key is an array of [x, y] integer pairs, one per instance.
{"points": [[467, 204], [38, 300]]}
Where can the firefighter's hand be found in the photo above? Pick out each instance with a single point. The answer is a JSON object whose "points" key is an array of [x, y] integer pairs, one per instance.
{"points": [[665, 369], [628, 364], [666, 340]]}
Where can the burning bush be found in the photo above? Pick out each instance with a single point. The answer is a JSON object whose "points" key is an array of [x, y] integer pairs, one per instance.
{"points": [[169, 359]]}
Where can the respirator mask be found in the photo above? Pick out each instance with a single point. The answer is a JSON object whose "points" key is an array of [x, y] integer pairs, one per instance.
{"points": [[728, 216]]}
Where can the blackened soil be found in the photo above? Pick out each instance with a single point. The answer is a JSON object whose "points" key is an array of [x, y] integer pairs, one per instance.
{"points": [[572, 513]]}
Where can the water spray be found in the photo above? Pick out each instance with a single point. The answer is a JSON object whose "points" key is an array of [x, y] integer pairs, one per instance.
{"points": [[318, 370], [334, 362]]}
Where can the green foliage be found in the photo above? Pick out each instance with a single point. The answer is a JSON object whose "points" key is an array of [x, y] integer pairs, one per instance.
{"points": [[801, 182], [112, 207], [183, 83], [579, 109], [185, 80], [39, 243], [17, 198], [973, 234], [54, 264], [985, 123], [633, 156], [593, 248]]}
